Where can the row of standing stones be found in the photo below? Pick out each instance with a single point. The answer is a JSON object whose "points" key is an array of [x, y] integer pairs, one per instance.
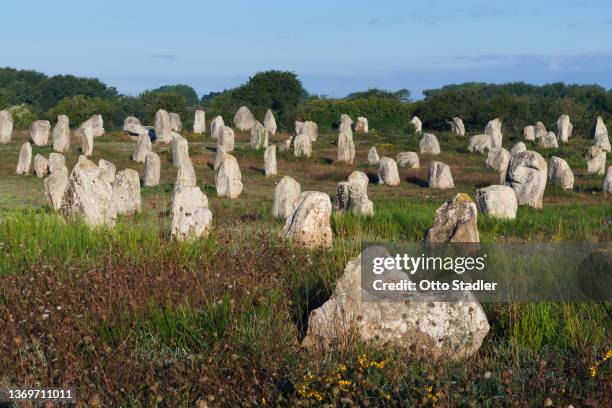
{"points": [[98, 194]]}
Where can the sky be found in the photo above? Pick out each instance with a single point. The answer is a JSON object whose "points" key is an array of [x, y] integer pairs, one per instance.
{"points": [[335, 47]]}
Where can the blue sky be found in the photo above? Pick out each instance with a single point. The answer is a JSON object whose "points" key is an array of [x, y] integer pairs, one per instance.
{"points": [[334, 46]]}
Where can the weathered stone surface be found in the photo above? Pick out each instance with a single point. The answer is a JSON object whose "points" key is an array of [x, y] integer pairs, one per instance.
{"points": [[408, 159], [55, 184], [61, 134], [259, 136], [87, 141], [607, 184], [126, 192], [529, 133], [286, 196], [457, 127], [455, 221], [310, 129], [346, 147], [498, 159], [362, 125], [480, 143], [216, 126], [132, 125], [244, 119], [387, 172], [418, 125], [494, 129], [41, 166], [95, 123], [564, 128], [309, 224], [186, 174], [527, 174], [539, 129], [219, 156], [163, 127], [107, 169], [518, 147], [228, 179], [25, 159], [373, 158], [143, 146], [346, 120], [353, 198], [89, 196], [152, 168], [435, 330], [560, 173], [6, 126], [191, 217], [56, 162], [269, 123], [298, 127], [497, 201], [440, 176], [360, 178], [270, 161], [596, 160], [548, 140], [600, 135], [180, 150], [302, 146], [176, 125], [39, 132], [199, 122], [225, 139], [429, 144]]}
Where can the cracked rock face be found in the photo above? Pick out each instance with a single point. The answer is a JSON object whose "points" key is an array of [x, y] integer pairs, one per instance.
{"points": [[440, 176], [309, 223], [560, 174], [387, 172], [191, 217], [429, 144], [455, 221], [494, 129], [353, 198], [286, 195], [497, 201], [527, 175]]}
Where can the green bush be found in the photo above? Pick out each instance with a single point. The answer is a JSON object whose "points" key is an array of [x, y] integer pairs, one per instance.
{"points": [[22, 117], [79, 108]]}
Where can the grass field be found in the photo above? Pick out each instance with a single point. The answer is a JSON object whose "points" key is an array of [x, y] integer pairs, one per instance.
{"points": [[129, 318]]}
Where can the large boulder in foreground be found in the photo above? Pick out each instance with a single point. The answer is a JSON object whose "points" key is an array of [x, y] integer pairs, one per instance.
{"points": [[191, 217], [309, 224], [387, 172], [455, 221], [527, 174], [286, 195], [497, 201], [89, 196], [560, 174], [438, 330], [429, 144], [126, 192], [244, 119]]}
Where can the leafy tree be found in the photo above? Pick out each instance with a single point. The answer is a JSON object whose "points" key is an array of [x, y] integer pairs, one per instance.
{"points": [[56, 88], [79, 108], [152, 101], [403, 95], [187, 92], [22, 117]]}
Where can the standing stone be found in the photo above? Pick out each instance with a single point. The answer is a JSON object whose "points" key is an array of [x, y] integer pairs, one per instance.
{"points": [[408, 159], [527, 174], [270, 123], [564, 128], [286, 196], [25, 159], [373, 158], [498, 159], [359, 178], [199, 122], [61, 134], [270, 161], [607, 184], [310, 129], [596, 160], [480, 143], [440, 176], [56, 162], [132, 126], [560, 173], [244, 119], [387, 172], [299, 126], [6, 126], [518, 147], [309, 224], [163, 127], [226, 139], [259, 136], [126, 192], [89, 196], [143, 147], [548, 140], [228, 180], [284, 145], [455, 221], [216, 127], [429, 144], [185, 175], [152, 166], [497, 201], [191, 217], [176, 125], [457, 127], [87, 141], [180, 150], [494, 129], [96, 125], [302, 146], [107, 169], [39, 132], [529, 133], [353, 198], [362, 125], [346, 147], [55, 184], [600, 135], [539, 129], [346, 120], [41, 166], [219, 156], [418, 125]]}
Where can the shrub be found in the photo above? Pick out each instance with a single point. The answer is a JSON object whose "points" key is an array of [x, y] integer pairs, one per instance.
{"points": [[22, 117], [79, 108]]}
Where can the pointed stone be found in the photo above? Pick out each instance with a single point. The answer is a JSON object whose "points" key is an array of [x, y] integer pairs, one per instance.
{"points": [[151, 170], [216, 126], [286, 196], [270, 123], [600, 135], [61, 134], [270, 161], [228, 179], [186, 174], [25, 159]]}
